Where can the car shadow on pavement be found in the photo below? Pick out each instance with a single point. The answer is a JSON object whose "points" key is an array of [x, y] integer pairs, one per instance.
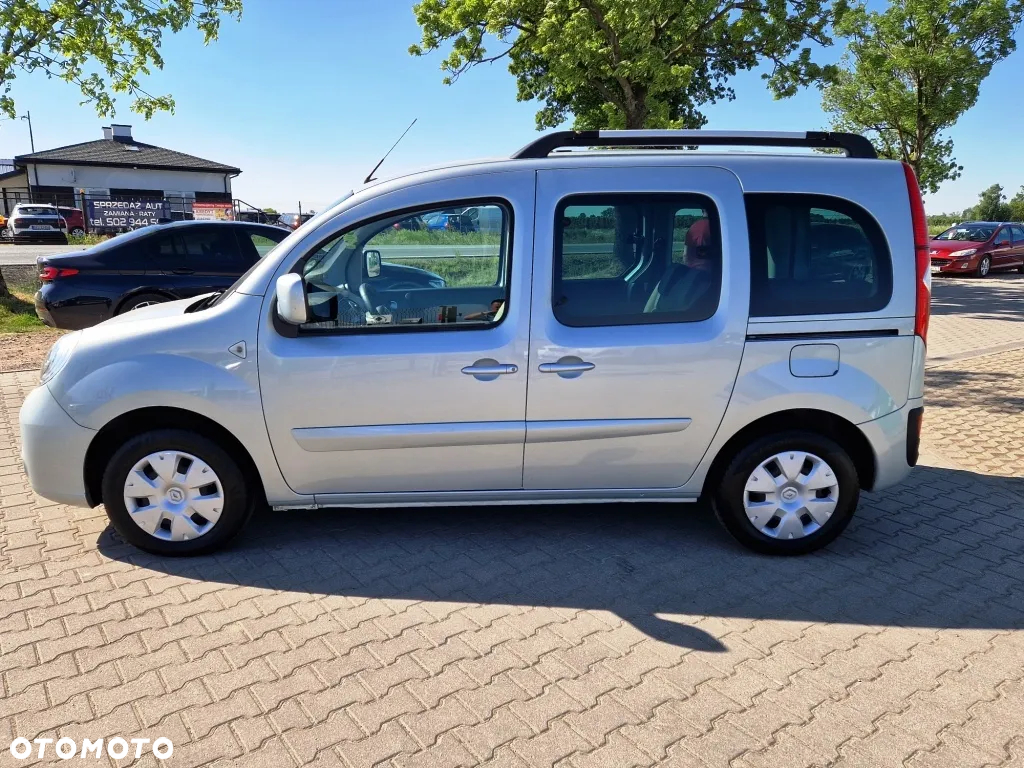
{"points": [[996, 297], [991, 391], [945, 549]]}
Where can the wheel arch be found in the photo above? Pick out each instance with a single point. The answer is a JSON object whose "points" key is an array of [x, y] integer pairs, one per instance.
{"points": [[139, 292], [114, 434], [822, 423]]}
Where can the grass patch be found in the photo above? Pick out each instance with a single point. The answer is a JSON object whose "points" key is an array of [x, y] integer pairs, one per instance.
{"points": [[87, 239], [458, 272], [18, 313], [433, 237]]}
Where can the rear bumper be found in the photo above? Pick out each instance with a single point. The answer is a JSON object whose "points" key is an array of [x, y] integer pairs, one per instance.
{"points": [[69, 305], [42, 311], [894, 440], [53, 449]]}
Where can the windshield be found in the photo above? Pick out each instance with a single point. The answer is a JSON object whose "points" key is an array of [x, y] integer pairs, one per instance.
{"points": [[37, 210], [974, 233]]}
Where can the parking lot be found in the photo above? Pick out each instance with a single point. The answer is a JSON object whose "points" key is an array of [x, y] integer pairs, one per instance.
{"points": [[568, 635]]}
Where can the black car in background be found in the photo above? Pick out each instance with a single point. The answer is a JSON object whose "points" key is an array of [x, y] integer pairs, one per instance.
{"points": [[154, 264], [165, 262]]}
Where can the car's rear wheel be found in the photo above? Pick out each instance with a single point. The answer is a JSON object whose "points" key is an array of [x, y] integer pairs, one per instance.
{"points": [[77, 232], [788, 493], [984, 266], [175, 492], [140, 301]]}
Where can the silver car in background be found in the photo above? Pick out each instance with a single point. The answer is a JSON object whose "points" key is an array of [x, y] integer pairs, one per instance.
{"points": [[658, 325]]}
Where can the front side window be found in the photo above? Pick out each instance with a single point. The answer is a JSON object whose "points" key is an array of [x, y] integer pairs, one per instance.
{"points": [[430, 268], [262, 241], [636, 259], [1003, 238], [812, 254]]}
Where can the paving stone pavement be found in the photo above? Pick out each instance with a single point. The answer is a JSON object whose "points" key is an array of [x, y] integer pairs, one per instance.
{"points": [[565, 636]]}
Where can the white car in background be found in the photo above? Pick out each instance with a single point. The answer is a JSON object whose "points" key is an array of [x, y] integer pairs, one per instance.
{"points": [[35, 220]]}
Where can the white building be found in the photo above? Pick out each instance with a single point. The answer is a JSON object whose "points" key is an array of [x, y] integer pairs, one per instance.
{"points": [[115, 167]]}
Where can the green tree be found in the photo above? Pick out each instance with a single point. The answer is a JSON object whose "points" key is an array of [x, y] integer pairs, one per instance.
{"points": [[1017, 206], [627, 63], [911, 71], [992, 206], [270, 211], [102, 46]]}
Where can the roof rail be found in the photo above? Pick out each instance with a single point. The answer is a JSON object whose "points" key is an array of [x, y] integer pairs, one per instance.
{"points": [[853, 144]]}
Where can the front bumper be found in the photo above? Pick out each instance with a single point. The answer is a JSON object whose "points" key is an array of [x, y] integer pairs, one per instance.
{"points": [[53, 449], [958, 267]]}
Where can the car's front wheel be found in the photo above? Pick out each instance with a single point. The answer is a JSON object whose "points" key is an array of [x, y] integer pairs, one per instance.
{"points": [[77, 232], [176, 492], [984, 266], [788, 494]]}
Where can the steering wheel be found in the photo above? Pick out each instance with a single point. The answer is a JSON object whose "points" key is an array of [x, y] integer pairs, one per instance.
{"points": [[369, 296]]}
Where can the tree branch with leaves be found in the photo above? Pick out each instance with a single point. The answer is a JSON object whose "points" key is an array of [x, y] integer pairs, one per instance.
{"points": [[911, 71], [628, 63], [102, 46]]}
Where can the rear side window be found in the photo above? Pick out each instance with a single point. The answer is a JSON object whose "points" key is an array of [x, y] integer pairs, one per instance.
{"points": [[815, 255], [212, 248], [635, 259]]}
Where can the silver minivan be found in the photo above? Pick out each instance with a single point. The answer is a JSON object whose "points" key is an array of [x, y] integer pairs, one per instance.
{"points": [[647, 323]]}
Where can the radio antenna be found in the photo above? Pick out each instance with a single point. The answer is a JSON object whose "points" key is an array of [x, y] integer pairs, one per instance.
{"points": [[370, 178]]}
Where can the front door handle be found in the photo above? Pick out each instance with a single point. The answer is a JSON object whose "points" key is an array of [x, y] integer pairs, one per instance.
{"points": [[488, 369], [567, 367]]}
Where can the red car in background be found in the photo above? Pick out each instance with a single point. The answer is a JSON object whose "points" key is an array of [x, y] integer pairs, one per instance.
{"points": [[75, 220], [977, 248]]}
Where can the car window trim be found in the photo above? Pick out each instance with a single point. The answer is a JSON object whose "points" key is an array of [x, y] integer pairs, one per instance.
{"points": [[507, 243]]}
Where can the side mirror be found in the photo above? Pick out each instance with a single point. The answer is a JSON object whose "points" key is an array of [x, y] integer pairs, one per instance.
{"points": [[372, 263], [291, 299]]}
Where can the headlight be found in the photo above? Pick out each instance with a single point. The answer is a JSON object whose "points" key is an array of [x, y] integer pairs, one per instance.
{"points": [[963, 254], [59, 355]]}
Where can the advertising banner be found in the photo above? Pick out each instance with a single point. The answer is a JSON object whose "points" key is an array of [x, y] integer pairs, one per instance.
{"points": [[213, 211], [127, 214]]}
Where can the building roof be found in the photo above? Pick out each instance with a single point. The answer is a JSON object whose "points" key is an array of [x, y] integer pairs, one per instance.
{"points": [[123, 152]]}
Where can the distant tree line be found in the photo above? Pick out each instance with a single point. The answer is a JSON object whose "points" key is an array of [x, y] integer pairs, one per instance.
{"points": [[993, 205]]}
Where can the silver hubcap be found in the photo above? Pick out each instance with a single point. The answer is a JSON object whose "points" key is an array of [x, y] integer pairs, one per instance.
{"points": [[173, 496], [791, 495], [983, 267], [142, 304]]}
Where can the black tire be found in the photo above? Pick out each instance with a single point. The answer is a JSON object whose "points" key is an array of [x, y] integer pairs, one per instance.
{"points": [[140, 300], [984, 267], [728, 498], [239, 500]]}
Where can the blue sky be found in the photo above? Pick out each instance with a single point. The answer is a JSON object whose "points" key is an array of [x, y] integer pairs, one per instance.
{"points": [[305, 96]]}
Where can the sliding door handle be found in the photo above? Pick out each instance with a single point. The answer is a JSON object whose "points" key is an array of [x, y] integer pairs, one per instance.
{"points": [[568, 367]]}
